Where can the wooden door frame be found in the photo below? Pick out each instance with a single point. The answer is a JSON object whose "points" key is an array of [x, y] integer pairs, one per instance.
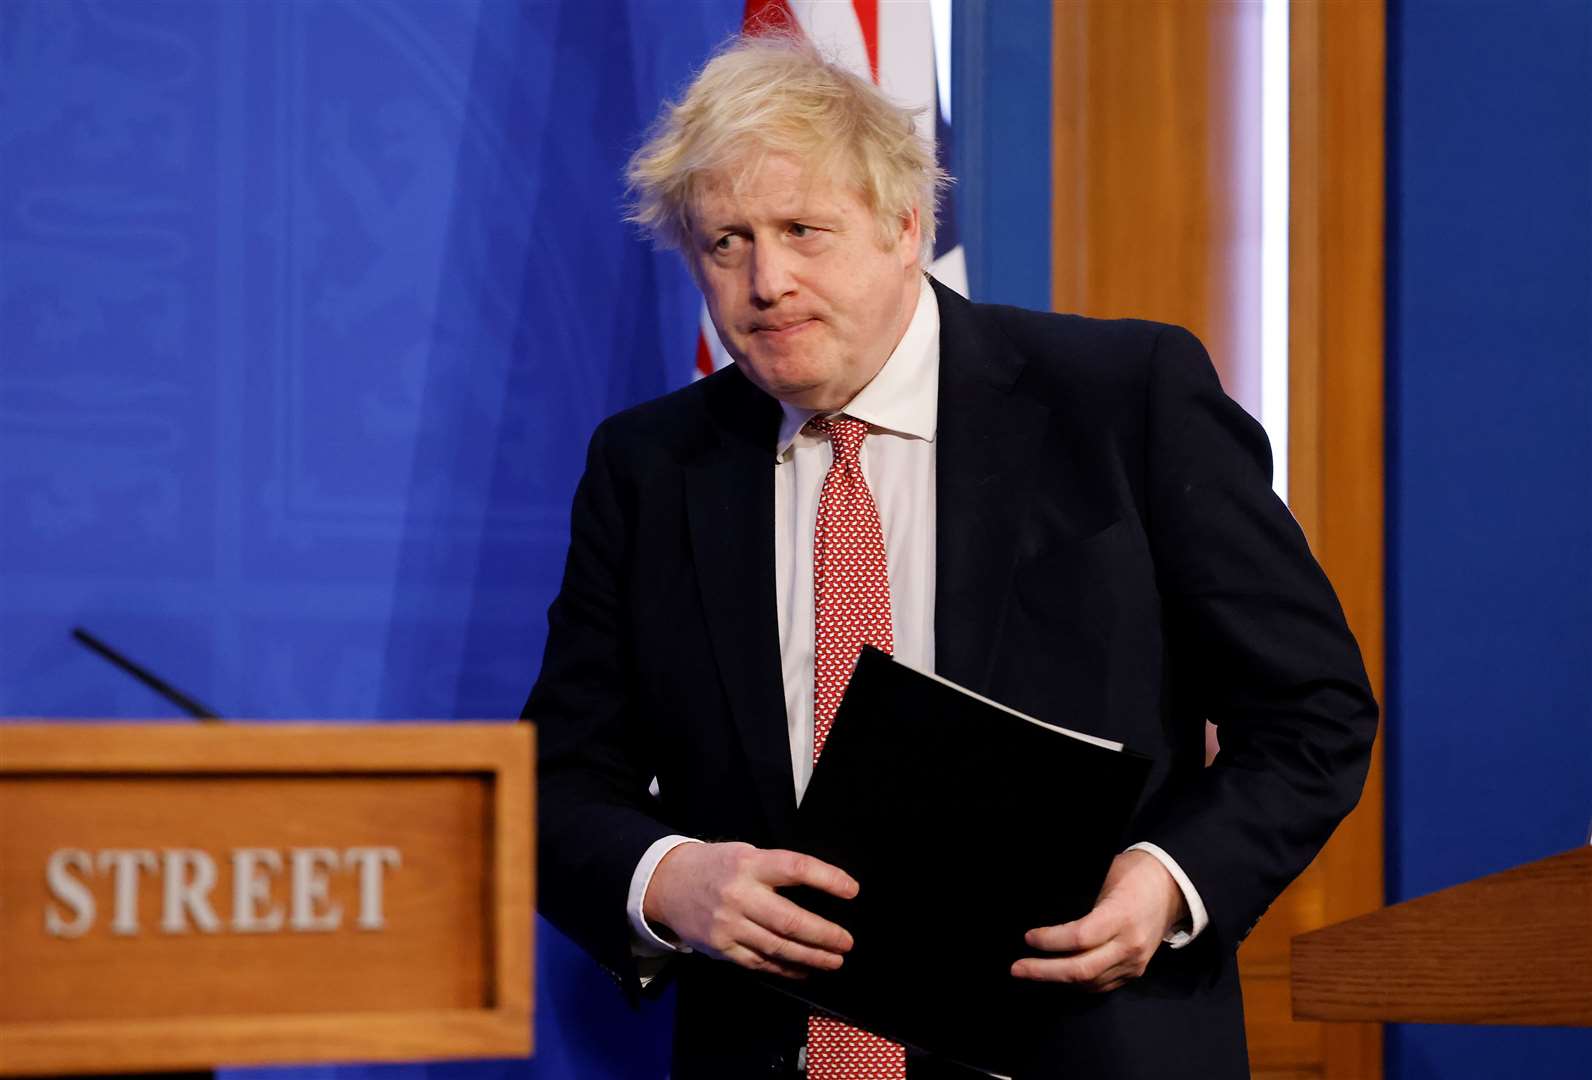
{"points": [[1336, 468]]}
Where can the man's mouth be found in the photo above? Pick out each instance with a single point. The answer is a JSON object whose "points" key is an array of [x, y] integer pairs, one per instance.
{"points": [[782, 329]]}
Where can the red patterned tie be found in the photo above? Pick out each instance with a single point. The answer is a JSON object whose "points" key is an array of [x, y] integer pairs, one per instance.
{"points": [[851, 608]]}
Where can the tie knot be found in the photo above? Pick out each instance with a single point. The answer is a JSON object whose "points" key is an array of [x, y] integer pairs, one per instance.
{"points": [[845, 435]]}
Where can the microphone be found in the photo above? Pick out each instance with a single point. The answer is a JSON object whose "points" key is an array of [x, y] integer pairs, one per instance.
{"points": [[187, 704]]}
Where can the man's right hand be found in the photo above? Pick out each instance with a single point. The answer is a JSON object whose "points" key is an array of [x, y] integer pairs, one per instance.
{"points": [[720, 900]]}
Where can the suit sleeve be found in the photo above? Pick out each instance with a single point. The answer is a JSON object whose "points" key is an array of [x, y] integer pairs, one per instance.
{"points": [[1256, 633], [595, 816]]}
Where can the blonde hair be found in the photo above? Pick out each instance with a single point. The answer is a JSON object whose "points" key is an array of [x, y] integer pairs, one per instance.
{"points": [[775, 93]]}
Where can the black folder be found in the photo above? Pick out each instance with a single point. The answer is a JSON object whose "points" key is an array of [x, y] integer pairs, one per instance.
{"points": [[965, 824]]}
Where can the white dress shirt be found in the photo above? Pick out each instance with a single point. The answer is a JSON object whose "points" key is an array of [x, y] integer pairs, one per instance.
{"points": [[900, 405]]}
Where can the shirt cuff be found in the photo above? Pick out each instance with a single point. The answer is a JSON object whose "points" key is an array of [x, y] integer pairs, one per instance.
{"points": [[1198, 917], [646, 941]]}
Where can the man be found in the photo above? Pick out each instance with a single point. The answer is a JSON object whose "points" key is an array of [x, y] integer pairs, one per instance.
{"points": [[1063, 514]]}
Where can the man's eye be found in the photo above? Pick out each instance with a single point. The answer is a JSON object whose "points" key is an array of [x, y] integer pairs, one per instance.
{"points": [[723, 243], [799, 230]]}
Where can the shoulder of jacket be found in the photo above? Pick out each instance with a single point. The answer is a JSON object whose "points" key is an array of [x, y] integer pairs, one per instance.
{"points": [[668, 420], [1077, 356], [1080, 339]]}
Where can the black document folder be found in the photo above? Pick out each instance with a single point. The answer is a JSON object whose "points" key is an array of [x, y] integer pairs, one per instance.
{"points": [[965, 824]]}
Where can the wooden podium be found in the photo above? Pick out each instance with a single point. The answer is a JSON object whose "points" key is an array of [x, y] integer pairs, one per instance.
{"points": [[1510, 948], [186, 897]]}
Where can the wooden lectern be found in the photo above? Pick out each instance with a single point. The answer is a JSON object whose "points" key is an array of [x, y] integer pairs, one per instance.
{"points": [[184, 897], [1510, 948]]}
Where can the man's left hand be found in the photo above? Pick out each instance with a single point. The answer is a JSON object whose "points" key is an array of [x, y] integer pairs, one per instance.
{"points": [[1112, 945]]}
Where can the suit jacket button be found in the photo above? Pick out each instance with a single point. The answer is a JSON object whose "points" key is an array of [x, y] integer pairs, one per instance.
{"points": [[784, 1064]]}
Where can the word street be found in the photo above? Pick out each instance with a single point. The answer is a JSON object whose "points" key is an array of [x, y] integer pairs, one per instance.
{"points": [[188, 878]]}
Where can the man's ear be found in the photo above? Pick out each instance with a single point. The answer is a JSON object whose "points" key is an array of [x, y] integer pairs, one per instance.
{"points": [[910, 238], [686, 245], [691, 256]]}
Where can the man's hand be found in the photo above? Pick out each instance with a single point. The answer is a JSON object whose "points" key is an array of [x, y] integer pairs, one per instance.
{"points": [[1112, 945], [720, 900]]}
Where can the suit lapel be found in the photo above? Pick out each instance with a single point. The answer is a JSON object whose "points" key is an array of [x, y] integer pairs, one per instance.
{"points": [[730, 504], [987, 455]]}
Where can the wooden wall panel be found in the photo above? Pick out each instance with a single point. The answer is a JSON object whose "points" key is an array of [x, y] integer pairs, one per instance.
{"points": [[1156, 213], [1338, 61], [1155, 159]]}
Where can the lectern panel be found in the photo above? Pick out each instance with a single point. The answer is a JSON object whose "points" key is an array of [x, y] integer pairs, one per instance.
{"points": [[176, 897], [136, 897]]}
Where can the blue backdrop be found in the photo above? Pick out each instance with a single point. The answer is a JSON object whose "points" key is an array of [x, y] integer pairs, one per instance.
{"points": [[307, 309], [1489, 717]]}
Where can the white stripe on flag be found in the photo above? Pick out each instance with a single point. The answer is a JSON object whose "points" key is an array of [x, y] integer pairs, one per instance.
{"points": [[835, 30]]}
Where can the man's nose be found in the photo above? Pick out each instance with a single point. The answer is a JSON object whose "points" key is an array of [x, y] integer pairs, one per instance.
{"points": [[771, 273]]}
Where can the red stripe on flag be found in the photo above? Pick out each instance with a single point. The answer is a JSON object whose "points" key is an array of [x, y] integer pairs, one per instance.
{"points": [[868, 19], [704, 355], [765, 15]]}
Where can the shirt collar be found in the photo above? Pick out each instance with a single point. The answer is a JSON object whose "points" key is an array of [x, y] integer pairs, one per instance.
{"points": [[903, 397]]}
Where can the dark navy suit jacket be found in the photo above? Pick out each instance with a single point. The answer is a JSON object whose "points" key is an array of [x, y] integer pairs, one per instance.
{"points": [[1110, 557]]}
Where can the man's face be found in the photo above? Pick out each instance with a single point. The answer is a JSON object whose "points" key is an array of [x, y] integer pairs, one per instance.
{"points": [[805, 296]]}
